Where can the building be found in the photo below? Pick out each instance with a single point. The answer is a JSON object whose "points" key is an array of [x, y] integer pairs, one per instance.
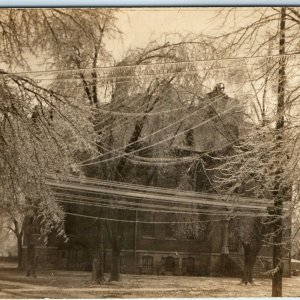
{"points": [[153, 248], [158, 238]]}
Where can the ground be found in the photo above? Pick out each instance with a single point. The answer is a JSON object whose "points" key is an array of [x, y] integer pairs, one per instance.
{"points": [[73, 284]]}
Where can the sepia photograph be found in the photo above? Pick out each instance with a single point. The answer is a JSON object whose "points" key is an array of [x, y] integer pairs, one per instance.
{"points": [[149, 152]]}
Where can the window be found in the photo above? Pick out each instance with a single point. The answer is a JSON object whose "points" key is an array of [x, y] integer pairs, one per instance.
{"points": [[147, 264], [169, 263], [188, 265], [148, 229]]}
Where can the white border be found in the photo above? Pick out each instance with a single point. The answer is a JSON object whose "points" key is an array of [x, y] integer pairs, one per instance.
{"points": [[139, 3]]}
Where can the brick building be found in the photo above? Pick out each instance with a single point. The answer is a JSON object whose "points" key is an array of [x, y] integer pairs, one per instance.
{"points": [[159, 242], [153, 248]]}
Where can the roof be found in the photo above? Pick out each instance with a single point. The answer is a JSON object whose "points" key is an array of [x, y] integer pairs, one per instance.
{"points": [[142, 193]]}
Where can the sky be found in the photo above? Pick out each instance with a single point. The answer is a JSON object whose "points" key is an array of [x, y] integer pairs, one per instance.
{"points": [[140, 25]]}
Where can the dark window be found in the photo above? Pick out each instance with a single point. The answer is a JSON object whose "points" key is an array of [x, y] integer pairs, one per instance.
{"points": [[148, 229], [147, 262], [188, 265], [169, 263]]}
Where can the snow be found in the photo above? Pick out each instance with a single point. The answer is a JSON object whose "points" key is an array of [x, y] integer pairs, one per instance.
{"points": [[72, 284]]}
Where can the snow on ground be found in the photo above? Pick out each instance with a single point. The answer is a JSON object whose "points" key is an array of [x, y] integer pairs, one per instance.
{"points": [[72, 284]]}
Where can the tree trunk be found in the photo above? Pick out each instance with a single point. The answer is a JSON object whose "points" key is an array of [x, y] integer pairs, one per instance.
{"points": [[31, 260], [115, 264], [245, 278], [278, 191], [31, 255], [98, 274], [98, 262], [245, 271], [249, 262], [20, 250]]}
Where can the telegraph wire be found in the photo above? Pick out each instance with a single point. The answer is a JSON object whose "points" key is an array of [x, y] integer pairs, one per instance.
{"points": [[154, 113], [155, 195], [92, 198], [216, 99], [139, 208], [120, 104], [207, 153], [138, 76], [130, 186], [162, 161], [159, 142], [82, 163], [137, 221], [166, 210], [138, 114], [110, 78], [140, 66]]}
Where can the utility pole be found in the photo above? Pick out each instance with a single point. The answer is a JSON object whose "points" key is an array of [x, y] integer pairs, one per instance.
{"points": [[279, 191]]}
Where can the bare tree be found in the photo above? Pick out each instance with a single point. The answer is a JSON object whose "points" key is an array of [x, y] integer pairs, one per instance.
{"points": [[268, 158], [136, 123], [35, 123]]}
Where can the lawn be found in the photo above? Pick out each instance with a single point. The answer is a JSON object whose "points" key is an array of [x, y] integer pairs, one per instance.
{"points": [[73, 284]]}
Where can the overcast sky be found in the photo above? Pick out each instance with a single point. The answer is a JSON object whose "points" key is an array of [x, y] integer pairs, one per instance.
{"points": [[140, 25]]}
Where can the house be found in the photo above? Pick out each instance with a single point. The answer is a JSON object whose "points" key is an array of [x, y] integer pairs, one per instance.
{"points": [[173, 221], [154, 244]]}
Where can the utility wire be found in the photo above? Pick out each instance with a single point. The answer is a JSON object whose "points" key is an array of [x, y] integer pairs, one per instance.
{"points": [[126, 114], [138, 221], [94, 198], [161, 161], [152, 189], [135, 160], [154, 196], [210, 102], [101, 80], [111, 78], [163, 64], [138, 114], [166, 210], [157, 143]]}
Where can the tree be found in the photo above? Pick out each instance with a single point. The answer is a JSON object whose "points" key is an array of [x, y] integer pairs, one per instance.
{"points": [[11, 222], [136, 103], [265, 162], [252, 234], [78, 43], [36, 123], [79, 47]]}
